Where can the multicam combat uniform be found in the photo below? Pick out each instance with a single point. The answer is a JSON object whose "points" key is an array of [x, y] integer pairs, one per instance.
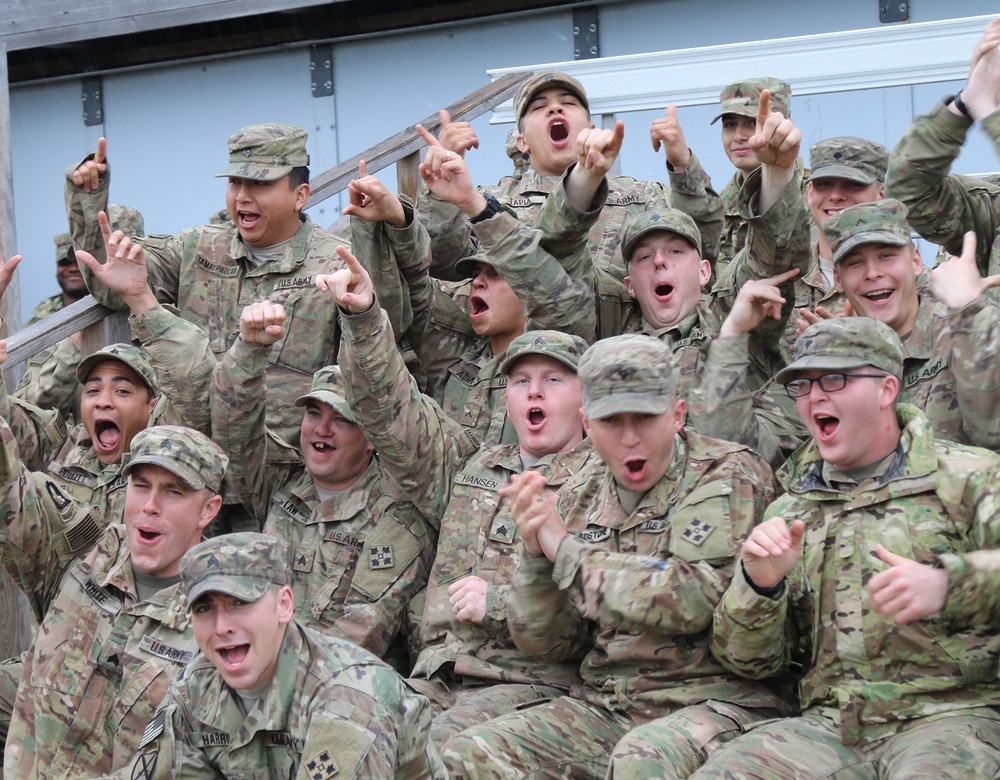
{"points": [[448, 475], [209, 274], [867, 678], [690, 191], [549, 268], [632, 593], [949, 371], [101, 661], [357, 558], [942, 206], [331, 709]]}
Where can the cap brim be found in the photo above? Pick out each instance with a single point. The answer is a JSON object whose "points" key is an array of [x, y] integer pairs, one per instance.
{"points": [[817, 363], [243, 588], [739, 111], [84, 366], [625, 403], [869, 237], [841, 172], [510, 361], [330, 399], [254, 172], [191, 478], [656, 228]]}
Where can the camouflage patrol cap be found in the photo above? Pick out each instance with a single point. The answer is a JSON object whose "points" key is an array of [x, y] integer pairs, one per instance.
{"points": [[266, 152], [189, 454], [468, 267], [565, 348], [632, 373], [126, 219], [878, 222], [743, 97], [848, 157], [64, 248], [328, 388], [535, 84], [669, 220], [242, 565], [132, 356], [843, 343]]}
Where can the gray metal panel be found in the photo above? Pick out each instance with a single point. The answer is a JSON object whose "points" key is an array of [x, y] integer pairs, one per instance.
{"points": [[384, 83], [28, 23], [654, 25]]}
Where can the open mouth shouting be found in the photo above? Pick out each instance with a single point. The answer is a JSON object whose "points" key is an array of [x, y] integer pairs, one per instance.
{"points": [[826, 426], [247, 219], [635, 469], [107, 436], [536, 418], [147, 535], [233, 656], [559, 132], [663, 290]]}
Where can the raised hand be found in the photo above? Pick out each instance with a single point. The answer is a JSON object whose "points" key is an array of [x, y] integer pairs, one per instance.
{"points": [[757, 300], [87, 175], [351, 287], [458, 137], [262, 322], [777, 141], [957, 281], [125, 270], [372, 201], [771, 550], [667, 131]]}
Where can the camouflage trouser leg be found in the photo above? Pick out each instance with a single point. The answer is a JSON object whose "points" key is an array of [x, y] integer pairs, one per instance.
{"points": [[676, 745], [10, 676], [959, 747], [562, 738], [474, 706]]}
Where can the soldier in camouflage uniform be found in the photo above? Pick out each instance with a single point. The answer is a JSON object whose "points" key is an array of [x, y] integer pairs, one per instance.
{"points": [[467, 664], [877, 572], [948, 369], [357, 548], [844, 171], [49, 376], [119, 395], [942, 206], [115, 631], [211, 273], [739, 107], [551, 110], [623, 567], [524, 278], [268, 697], [71, 284]]}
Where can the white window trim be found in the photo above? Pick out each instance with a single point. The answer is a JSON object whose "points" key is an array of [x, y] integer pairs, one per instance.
{"points": [[891, 56]]}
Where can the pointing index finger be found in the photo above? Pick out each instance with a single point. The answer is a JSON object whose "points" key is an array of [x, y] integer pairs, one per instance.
{"points": [[362, 169], [427, 135], [763, 109], [102, 150]]}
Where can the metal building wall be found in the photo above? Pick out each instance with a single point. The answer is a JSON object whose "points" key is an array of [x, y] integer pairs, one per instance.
{"points": [[167, 126]]}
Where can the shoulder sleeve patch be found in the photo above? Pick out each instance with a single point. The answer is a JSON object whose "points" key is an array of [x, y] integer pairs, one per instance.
{"points": [[334, 744]]}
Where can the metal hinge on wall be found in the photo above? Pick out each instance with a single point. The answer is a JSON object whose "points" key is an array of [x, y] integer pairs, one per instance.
{"points": [[893, 10], [93, 101], [586, 34], [321, 70]]}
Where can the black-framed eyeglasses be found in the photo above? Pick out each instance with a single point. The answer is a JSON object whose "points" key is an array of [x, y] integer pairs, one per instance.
{"points": [[828, 383]]}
